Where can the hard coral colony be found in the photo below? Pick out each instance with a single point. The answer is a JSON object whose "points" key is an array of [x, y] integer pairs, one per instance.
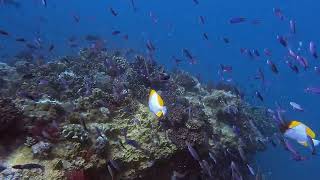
{"points": [[91, 116]]}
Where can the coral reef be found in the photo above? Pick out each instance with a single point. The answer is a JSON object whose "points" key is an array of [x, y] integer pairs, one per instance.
{"points": [[87, 117]]}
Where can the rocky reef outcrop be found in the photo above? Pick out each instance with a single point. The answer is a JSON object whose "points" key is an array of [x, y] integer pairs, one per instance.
{"points": [[89, 119]]}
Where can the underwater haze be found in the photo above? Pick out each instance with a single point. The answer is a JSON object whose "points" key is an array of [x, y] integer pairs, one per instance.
{"points": [[163, 89]]}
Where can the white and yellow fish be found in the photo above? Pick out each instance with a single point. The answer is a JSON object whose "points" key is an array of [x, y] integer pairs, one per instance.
{"points": [[298, 131], [156, 104]]}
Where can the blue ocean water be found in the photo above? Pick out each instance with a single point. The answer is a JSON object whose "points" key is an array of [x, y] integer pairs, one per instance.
{"points": [[174, 25]]}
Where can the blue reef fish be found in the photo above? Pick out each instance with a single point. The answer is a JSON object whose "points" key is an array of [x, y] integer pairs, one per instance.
{"points": [[156, 104], [296, 106], [299, 132], [292, 26], [313, 49], [259, 96]]}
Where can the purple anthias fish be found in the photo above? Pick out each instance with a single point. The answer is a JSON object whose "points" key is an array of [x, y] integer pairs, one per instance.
{"points": [[110, 171], [292, 26], [242, 154], [113, 12], [211, 155], [205, 36], [282, 40], [267, 52], [236, 20], [193, 152], [303, 61], [313, 49], [251, 170], [196, 2], [293, 67], [76, 18], [278, 13], [202, 20], [150, 46], [313, 90], [296, 155], [44, 3], [205, 167], [236, 130], [188, 54], [226, 68], [260, 75], [292, 54], [235, 172], [273, 67], [247, 52], [116, 32], [256, 52], [43, 82], [259, 96], [115, 165]]}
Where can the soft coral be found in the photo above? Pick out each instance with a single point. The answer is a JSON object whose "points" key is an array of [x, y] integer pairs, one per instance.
{"points": [[76, 175], [43, 129]]}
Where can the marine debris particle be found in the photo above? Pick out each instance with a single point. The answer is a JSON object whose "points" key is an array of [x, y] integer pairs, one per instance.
{"points": [[92, 118]]}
